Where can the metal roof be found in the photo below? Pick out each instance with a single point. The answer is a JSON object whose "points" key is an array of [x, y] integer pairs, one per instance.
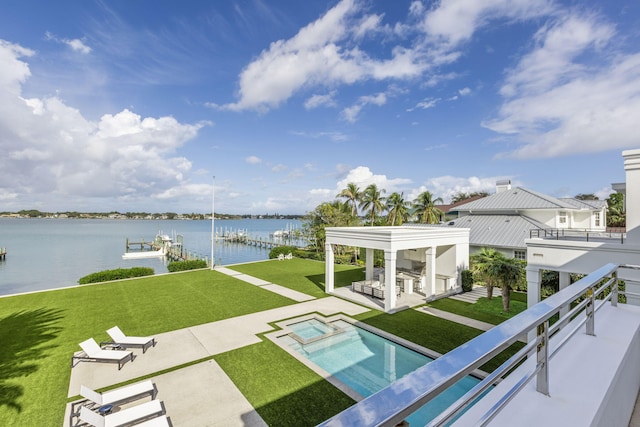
{"points": [[506, 231], [515, 199], [586, 204]]}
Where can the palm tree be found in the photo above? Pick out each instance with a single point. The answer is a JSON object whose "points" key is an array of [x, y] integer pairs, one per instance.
{"points": [[372, 201], [424, 206], [352, 194], [482, 266], [507, 272], [398, 209]]}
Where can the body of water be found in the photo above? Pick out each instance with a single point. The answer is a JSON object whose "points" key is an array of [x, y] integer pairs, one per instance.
{"points": [[54, 253]]}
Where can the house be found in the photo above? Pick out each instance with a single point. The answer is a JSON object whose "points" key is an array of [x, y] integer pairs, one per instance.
{"points": [[507, 218]]}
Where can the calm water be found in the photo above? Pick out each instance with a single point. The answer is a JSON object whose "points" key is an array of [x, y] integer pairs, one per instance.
{"points": [[367, 363], [54, 253]]}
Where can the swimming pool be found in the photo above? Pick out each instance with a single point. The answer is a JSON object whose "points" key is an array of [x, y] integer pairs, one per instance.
{"points": [[364, 361]]}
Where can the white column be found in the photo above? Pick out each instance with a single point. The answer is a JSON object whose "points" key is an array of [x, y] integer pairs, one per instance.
{"points": [[328, 268], [430, 288], [368, 269], [565, 280], [389, 280], [534, 280], [632, 196]]}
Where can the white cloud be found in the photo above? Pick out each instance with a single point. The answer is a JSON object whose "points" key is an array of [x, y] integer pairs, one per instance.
{"points": [[316, 101], [253, 160], [425, 104], [77, 45], [570, 94], [362, 176], [464, 91], [324, 53], [447, 186], [279, 168], [53, 154], [350, 114], [454, 21]]}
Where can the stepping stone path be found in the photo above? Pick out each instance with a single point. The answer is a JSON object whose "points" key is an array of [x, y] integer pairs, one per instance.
{"points": [[477, 293]]}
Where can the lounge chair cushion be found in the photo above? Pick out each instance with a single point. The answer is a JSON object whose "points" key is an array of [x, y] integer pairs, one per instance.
{"points": [[118, 336], [93, 350], [123, 417], [122, 394]]}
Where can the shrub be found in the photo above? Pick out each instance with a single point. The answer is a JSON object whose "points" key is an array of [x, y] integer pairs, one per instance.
{"points": [[117, 274], [467, 280], [284, 250], [186, 265]]}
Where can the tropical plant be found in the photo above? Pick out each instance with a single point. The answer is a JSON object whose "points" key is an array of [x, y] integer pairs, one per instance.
{"points": [[397, 208], [481, 264], [328, 214], [461, 196], [372, 201], [615, 211], [352, 194], [507, 272], [424, 207]]}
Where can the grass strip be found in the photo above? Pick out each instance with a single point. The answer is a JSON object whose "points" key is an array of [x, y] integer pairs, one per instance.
{"points": [[281, 389], [301, 275]]}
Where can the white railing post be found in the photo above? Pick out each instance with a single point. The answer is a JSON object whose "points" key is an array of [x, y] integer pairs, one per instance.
{"points": [[542, 379], [590, 311], [614, 289]]}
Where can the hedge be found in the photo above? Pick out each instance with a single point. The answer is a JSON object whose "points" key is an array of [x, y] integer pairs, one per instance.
{"points": [[117, 274], [193, 264], [467, 280]]}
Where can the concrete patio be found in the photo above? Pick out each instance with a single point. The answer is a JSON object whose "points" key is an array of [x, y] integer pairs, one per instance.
{"points": [[200, 394]]}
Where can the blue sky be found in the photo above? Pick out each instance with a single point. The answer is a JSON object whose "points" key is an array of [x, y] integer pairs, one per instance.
{"points": [[135, 106]]}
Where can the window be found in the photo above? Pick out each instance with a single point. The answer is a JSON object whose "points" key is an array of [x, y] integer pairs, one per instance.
{"points": [[596, 219], [562, 218], [520, 254]]}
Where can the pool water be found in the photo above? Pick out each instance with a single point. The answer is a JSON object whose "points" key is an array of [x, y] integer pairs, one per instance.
{"points": [[367, 363], [310, 329]]}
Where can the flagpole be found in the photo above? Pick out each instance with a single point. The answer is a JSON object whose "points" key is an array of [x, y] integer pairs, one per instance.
{"points": [[213, 227]]}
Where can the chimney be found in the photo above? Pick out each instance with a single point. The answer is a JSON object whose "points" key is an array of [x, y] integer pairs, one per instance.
{"points": [[632, 196], [503, 185]]}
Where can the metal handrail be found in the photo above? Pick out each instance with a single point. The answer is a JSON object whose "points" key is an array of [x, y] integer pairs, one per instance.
{"points": [[393, 404], [569, 233]]}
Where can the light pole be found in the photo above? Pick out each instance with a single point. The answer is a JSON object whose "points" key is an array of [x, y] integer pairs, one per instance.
{"points": [[213, 226]]}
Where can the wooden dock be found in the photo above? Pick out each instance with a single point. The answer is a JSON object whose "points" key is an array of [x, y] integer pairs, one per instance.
{"points": [[175, 251], [3, 253]]}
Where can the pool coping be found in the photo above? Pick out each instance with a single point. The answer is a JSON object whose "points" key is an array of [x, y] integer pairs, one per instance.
{"points": [[285, 330]]}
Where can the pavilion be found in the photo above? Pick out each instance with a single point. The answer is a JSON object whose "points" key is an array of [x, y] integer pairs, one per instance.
{"points": [[423, 260]]}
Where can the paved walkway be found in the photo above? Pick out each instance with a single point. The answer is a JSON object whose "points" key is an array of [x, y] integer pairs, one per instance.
{"points": [[483, 326], [477, 293], [202, 394]]}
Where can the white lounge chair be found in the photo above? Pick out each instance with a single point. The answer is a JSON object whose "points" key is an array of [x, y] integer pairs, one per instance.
{"points": [[289, 256], [123, 394], [93, 352], [119, 337], [280, 257], [127, 416], [117, 396]]}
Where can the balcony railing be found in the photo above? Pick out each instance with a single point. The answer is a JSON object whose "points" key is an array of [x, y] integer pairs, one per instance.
{"points": [[617, 234], [580, 301]]}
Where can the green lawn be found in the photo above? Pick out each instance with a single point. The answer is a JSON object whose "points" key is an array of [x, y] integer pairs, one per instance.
{"points": [[485, 310], [301, 275], [39, 333]]}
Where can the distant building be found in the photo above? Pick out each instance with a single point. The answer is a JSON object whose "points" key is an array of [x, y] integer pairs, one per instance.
{"points": [[504, 220]]}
